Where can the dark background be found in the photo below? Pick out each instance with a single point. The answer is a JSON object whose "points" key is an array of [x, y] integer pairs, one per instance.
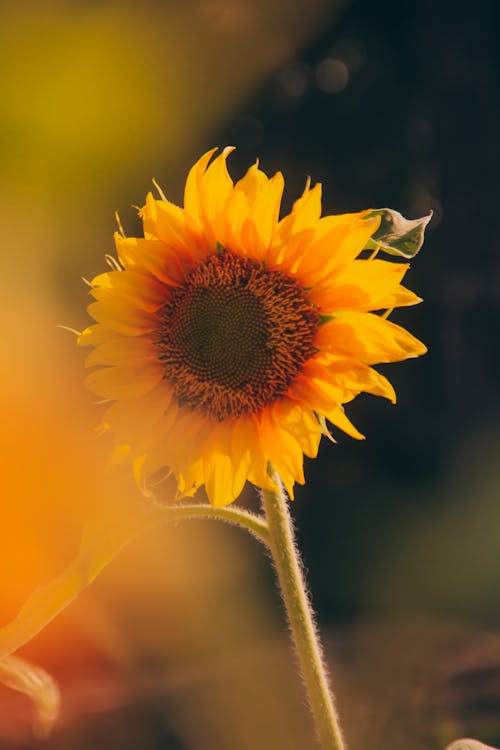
{"points": [[415, 127]]}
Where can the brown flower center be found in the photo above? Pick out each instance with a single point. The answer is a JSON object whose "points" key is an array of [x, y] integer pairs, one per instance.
{"points": [[234, 336]]}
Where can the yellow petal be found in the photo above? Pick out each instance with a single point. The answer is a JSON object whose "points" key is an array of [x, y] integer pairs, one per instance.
{"points": [[155, 446], [257, 232], [163, 220], [364, 285], [301, 422], [182, 447], [123, 317], [342, 223], [319, 395], [152, 256], [288, 255], [192, 197], [246, 447], [236, 213], [132, 420], [355, 377], [214, 187], [216, 184], [142, 291], [125, 351], [252, 183], [337, 417], [224, 477], [96, 334], [124, 382], [309, 253], [369, 338], [171, 224], [304, 214], [338, 247], [283, 450], [355, 241]]}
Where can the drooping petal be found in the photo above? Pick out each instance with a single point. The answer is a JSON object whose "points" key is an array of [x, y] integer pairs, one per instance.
{"points": [[224, 476], [284, 451], [338, 417], [364, 285], [315, 387], [350, 377], [247, 447], [301, 423], [369, 338]]}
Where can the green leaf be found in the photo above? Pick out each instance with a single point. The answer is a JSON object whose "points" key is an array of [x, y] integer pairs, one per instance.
{"points": [[397, 235]]}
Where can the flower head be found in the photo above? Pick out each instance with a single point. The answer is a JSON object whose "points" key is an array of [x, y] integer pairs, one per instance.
{"points": [[228, 338]]}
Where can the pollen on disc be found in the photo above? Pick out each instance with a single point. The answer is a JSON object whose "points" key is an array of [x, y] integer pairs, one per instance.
{"points": [[234, 336]]}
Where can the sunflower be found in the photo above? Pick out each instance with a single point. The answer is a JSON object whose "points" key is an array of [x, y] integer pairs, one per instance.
{"points": [[227, 338]]}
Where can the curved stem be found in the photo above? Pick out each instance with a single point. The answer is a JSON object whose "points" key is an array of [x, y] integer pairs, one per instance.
{"points": [[235, 516], [102, 539], [300, 616]]}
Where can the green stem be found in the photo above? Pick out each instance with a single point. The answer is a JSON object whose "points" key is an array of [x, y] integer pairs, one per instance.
{"points": [[235, 516], [300, 616], [102, 540]]}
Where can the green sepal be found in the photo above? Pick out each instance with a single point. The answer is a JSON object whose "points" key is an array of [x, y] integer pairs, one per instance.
{"points": [[325, 318], [397, 235], [328, 317]]}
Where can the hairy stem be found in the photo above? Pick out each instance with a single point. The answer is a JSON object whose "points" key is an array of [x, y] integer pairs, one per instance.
{"points": [[235, 516], [301, 618]]}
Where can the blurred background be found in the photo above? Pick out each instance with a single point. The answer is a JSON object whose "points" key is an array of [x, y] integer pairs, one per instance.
{"points": [[181, 644]]}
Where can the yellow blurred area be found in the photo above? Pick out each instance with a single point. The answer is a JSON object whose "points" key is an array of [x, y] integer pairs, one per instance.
{"points": [[179, 618], [96, 100], [99, 98], [50, 457]]}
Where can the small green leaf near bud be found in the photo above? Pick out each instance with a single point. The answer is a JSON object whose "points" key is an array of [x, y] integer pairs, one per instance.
{"points": [[397, 235]]}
